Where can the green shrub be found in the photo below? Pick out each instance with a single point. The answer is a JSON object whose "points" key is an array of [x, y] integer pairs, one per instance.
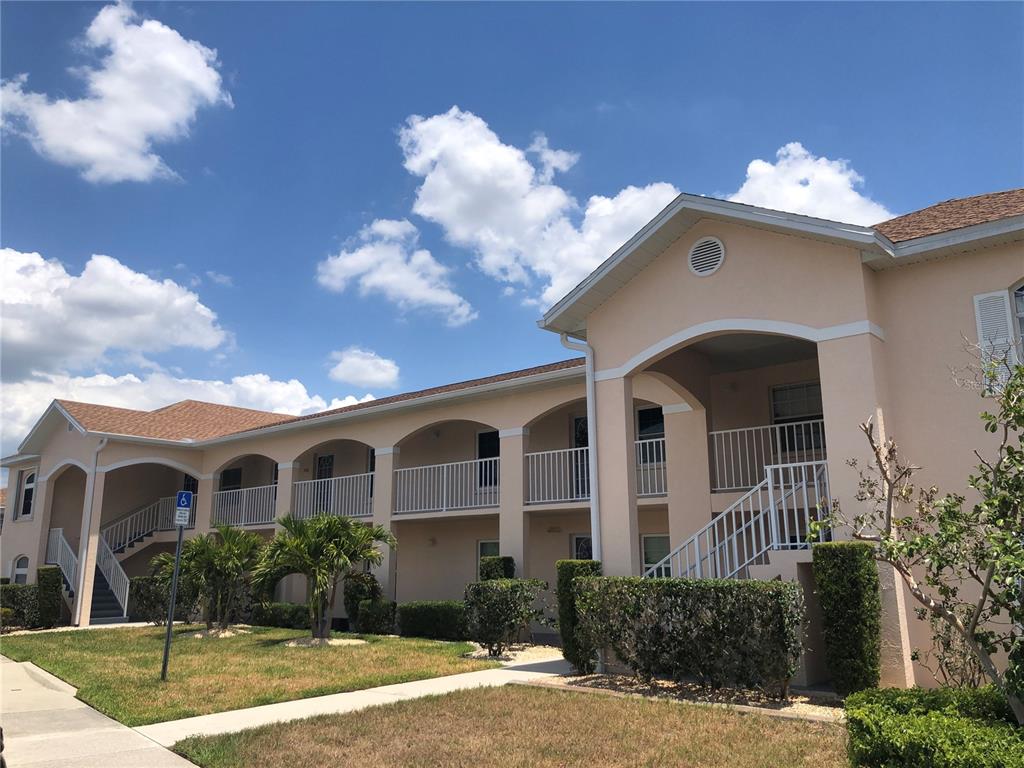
{"points": [[720, 632], [435, 619], [6, 619], [23, 600], [287, 615], [846, 580], [49, 593], [376, 617], [497, 567], [148, 596], [574, 647], [357, 587], [499, 609], [942, 728]]}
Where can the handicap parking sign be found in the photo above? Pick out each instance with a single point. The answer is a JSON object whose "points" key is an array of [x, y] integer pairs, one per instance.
{"points": [[183, 508]]}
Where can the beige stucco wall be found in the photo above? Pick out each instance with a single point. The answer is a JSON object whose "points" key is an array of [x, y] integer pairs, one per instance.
{"points": [[437, 558]]}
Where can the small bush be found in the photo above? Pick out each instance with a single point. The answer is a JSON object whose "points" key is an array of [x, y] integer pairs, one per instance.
{"points": [[148, 596], [574, 648], [499, 609], [23, 602], [941, 728], [286, 615], [497, 567], [6, 619], [376, 617], [357, 587], [434, 619], [744, 633], [846, 580], [49, 593]]}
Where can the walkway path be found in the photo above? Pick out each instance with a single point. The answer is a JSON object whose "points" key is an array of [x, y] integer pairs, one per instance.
{"points": [[237, 720], [45, 726]]}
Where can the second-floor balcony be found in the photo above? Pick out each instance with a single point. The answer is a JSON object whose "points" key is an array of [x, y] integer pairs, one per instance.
{"points": [[738, 456], [246, 506], [447, 487], [347, 496], [554, 477]]}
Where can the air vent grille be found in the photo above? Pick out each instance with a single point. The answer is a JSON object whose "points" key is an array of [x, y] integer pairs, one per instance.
{"points": [[706, 256]]}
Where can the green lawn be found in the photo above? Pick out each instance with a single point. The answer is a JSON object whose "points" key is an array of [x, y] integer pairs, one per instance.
{"points": [[117, 671], [519, 726]]}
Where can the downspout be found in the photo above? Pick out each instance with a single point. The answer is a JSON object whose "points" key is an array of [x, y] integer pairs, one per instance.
{"points": [[595, 500], [83, 547]]}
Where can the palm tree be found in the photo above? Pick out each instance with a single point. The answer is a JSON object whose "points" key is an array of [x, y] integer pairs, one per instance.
{"points": [[216, 565], [323, 549]]}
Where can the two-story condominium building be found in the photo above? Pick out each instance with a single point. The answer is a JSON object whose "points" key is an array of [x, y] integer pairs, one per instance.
{"points": [[725, 357]]}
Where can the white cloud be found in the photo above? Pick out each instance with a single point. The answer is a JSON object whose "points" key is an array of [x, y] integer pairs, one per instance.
{"points": [[489, 197], [146, 89], [385, 260], [364, 368], [220, 279], [24, 401], [800, 182], [55, 322]]}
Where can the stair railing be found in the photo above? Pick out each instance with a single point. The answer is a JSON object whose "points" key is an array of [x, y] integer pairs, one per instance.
{"points": [[112, 571], [60, 553], [143, 522]]}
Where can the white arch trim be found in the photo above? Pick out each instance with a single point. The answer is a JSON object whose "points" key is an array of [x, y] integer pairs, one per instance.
{"points": [[155, 460], [66, 463], [740, 325]]}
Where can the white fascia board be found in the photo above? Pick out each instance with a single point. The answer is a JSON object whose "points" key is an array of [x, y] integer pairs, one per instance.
{"points": [[18, 458], [956, 237], [54, 406]]}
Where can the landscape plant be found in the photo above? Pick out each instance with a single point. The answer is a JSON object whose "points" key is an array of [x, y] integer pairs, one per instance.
{"points": [[497, 567], [436, 619], [963, 564], [574, 646], [217, 566], [324, 550], [376, 617], [498, 610], [358, 586]]}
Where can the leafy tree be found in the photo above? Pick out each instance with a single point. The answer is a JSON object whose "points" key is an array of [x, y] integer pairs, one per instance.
{"points": [[217, 566], [963, 565], [324, 549]]}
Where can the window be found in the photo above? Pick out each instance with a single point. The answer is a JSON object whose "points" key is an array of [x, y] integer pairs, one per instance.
{"points": [[19, 572], [794, 404], [655, 549], [488, 446], [486, 548], [1018, 310], [231, 479], [582, 548], [27, 493], [189, 483], [324, 467], [650, 425]]}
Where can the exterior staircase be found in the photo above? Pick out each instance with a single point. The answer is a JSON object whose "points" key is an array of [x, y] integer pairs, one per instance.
{"points": [[774, 515], [105, 607]]}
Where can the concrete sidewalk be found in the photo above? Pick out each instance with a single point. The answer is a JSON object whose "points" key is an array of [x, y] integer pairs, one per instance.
{"points": [[238, 720], [45, 726]]}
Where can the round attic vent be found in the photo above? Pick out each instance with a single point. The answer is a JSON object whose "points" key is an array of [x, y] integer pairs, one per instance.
{"points": [[706, 256]]}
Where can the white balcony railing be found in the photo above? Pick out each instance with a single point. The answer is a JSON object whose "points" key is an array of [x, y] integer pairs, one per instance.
{"points": [[246, 506], [558, 476], [60, 553], [739, 456], [348, 496], [117, 579], [443, 487], [651, 470]]}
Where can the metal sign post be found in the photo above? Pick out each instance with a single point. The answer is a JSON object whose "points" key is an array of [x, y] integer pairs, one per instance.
{"points": [[182, 512]]}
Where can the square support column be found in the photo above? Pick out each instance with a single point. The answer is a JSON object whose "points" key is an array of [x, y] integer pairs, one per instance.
{"points": [[383, 504], [853, 388], [689, 473], [204, 506], [42, 508], [285, 488], [513, 521], [616, 474], [92, 514]]}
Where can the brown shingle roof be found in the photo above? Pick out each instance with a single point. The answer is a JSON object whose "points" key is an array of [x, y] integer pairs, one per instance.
{"points": [[187, 420], [196, 420], [954, 214]]}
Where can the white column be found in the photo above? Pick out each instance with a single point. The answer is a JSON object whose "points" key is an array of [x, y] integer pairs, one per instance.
{"points": [[513, 521], [689, 485], [616, 433], [285, 488], [383, 504], [92, 514], [204, 505]]}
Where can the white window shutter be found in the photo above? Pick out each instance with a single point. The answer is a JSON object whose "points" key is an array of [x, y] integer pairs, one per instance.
{"points": [[993, 315]]}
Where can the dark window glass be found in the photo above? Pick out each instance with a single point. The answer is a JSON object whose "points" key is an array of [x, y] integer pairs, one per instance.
{"points": [[189, 483], [582, 548], [650, 423], [488, 446], [231, 479]]}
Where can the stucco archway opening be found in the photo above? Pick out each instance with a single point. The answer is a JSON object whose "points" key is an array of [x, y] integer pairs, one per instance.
{"points": [[334, 477], [246, 492]]}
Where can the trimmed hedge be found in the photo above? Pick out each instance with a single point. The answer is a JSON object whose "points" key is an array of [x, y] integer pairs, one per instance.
{"points": [[744, 633], [846, 580], [376, 617], [357, 587], [497, 610], [286, 615], [576, 651], [941, 728], [49, 594], [23, 602], [434, 619], [497, 567], [148, 596]]}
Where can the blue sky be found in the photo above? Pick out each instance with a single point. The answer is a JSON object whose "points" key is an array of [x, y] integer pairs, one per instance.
{"points": [[255, 182]]}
